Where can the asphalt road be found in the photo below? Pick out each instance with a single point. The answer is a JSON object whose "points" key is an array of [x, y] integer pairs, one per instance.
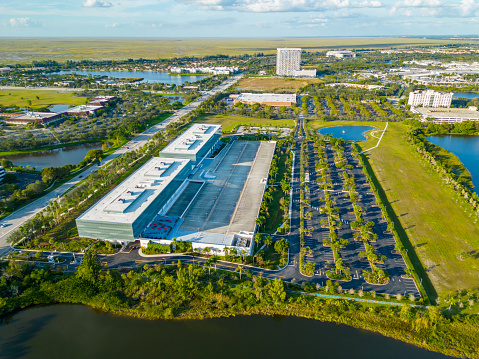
{"points": [[19, 217]]}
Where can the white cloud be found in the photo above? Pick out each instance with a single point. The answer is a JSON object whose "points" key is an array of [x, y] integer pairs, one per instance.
{"points": [[97, 3], [23, 22], [414, 3], [468, 7], [280, 5]]}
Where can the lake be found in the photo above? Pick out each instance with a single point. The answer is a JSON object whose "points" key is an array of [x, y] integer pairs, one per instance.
{"points": [[75, 331], [468, 95], [59, 157], [151, 77], [349, 133], [464, 147]]}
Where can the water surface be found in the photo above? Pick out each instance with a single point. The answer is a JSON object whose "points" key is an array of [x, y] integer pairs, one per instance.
{"points": [[468, 95], [59, 157], [464, 147], [349, 133], [74, 331], [151, 77]]}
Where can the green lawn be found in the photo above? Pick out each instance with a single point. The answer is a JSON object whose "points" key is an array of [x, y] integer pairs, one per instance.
{"points": [[437, 222], [229, 121], [9, 98]]}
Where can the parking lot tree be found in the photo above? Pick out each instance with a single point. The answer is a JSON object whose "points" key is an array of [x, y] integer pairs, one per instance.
{"points": [[281, 246]]}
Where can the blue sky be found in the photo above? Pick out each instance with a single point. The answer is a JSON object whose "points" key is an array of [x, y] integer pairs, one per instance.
{"points": [[237, 18]]}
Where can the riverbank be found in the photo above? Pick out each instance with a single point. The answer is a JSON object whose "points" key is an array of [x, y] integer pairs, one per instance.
{"points": [[179, 292]]}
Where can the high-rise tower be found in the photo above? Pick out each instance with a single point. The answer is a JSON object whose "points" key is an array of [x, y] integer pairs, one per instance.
{"points": [[288, 61]]}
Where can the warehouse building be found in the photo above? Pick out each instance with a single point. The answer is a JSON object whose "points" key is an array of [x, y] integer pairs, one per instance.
{"points": [[84, 110], [123, 214], [32, 117], [194, 144], [270, 99], [341, 54]]}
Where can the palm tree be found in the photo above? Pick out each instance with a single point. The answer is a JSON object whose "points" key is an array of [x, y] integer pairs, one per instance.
{"points": [[268, 241], [240, 269], [214, 260], [208, 263]]}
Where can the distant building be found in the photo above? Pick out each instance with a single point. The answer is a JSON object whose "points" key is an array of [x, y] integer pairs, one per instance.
{"points": [[361, 86], [84, 109], [32, 117], [2, 174], [341, 54], [4, 70], [270, 99], [288, 60], [447, 115], [305, 73], [430, 98]]}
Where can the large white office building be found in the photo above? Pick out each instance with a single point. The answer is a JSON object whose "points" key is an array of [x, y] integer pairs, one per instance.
{"points": [[288, 61], [430, 98]]}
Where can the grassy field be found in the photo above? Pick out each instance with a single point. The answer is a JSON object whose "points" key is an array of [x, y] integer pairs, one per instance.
{"points": [[437, 222], [25, 50], [229, 122], [269, 84], [20, 98]]}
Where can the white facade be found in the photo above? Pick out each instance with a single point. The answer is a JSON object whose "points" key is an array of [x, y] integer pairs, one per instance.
{"points": [[305, 73], [430, 98], [288, 60], [341, 54]]}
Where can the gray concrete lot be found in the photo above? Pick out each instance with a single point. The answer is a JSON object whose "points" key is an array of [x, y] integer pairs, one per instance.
{"points": [[249, 202], [215, 204]]}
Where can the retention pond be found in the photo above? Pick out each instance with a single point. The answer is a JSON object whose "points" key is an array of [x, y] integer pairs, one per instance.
{"points": [[75, 331], [59, 157], [349, 133]]}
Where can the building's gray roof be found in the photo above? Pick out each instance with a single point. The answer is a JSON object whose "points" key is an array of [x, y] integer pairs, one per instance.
{"points": [[129, 199], [266, 97], [192, 140]]}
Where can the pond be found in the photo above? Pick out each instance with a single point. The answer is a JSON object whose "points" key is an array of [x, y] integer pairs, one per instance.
{"points": [[464, 147], [59, 157], [468, 95], [75, 331], [151, 77], [349, 133]]}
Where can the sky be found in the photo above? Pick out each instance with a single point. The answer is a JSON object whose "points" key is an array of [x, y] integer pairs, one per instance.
{"points": [[237, 18]]}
